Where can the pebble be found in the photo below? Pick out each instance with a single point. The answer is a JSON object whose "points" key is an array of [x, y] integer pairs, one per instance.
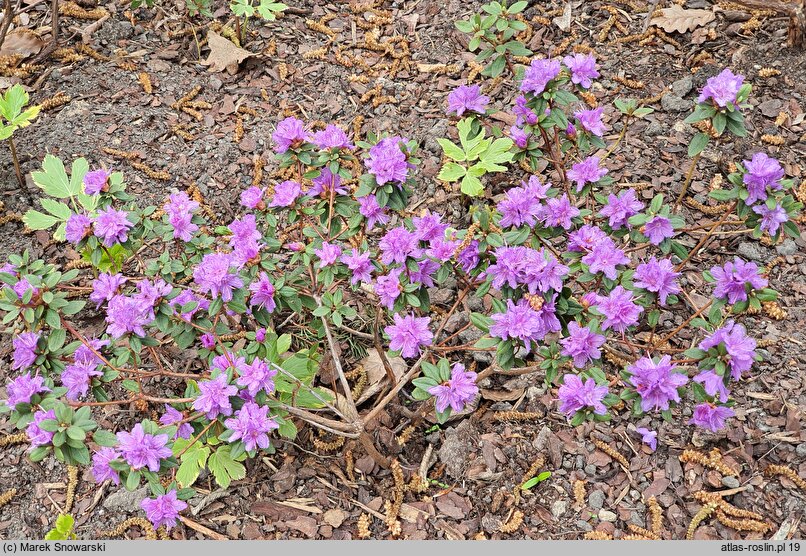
{"points": [[801, 449], [125, 501], [584, 525], [683, 86], [607, 515], [596, 499], [675, 103], [590, 469], [558, 508], [730, 482], [752, 251], [654, 129], [787, 248]]}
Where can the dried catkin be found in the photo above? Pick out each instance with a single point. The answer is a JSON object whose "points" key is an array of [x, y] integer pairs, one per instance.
{"points": [[611, 452], [656, 515], [363, 526], [6, 497], [597, 536], [12, 439], [72, 482], [704, 513], [147, 528], [513, 524], [790, 474], [712, 460]]}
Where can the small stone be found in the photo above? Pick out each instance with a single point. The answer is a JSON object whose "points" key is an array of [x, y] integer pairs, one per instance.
{"points": [[596, 499], [126, 501], [674, 103], [607, 515], [787, 248], [590, 469], [584, 525], [801, 449], [752, 251], [558, 508], [730, 482], [770, 108], [654, 129], [683, 86]]}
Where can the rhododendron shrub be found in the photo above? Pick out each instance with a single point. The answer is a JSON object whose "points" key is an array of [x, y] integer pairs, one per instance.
{"points": [[231, 331]]}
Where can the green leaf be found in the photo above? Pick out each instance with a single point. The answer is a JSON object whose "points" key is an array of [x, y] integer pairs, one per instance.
{"points": [[36, 220], [104, 438], [451, 172], [53, 178], [535, 480], [472, 186], [224, 468], [193, 461], [697, 145], [701, 112], [242, 8], [497, 153], [451, 150], [267, 9]]}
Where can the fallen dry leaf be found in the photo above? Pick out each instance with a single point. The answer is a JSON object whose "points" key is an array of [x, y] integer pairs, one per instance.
{"points": [[376, 374], [23, 42], [564, 21], [682, 20], [224, 54]]}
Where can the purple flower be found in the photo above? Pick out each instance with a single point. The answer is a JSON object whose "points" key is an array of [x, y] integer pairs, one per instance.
{"points": [[558, 212], [101, 470], [360, 265], [328, 254], [207, 341], [408, 334], [185, 297], [591, 121], [372, 211], [76, 378], [141, 449], [245, 239], [711, 417], [722, 89], [519, 137], [740, 348], [658, 276], [648, 437], [84, 354], [575, 395], [519, 322], [657, 229], [332, 137], [762, 171], [214, 397], [172, 416], [36, 435], [105, 287], [127, 314], [467, 98], [262, 293], [508, 267], [587, 171], [618, 309], [23, 388], [326, 183], [96, 181], [542, 272], [538, 75], [24, 350], [252, 425], [260, 334], [257, 376], [456, 392], [771, 218], [213, 276], [228, 360], [656, 383], [290, 133], [519, 206], [604, 258], [164, 509], [398, 244], [468, 257], [423, 274], [523, 113], [620, 209], [586, 238], [713, 384], [583, 69], [442, 250], [111, 226], [735, 279], [252, 197], [388, 287], [582, 344], [180, 209], [77, 228], [387, 162], [285, 194], [429, 226]]}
